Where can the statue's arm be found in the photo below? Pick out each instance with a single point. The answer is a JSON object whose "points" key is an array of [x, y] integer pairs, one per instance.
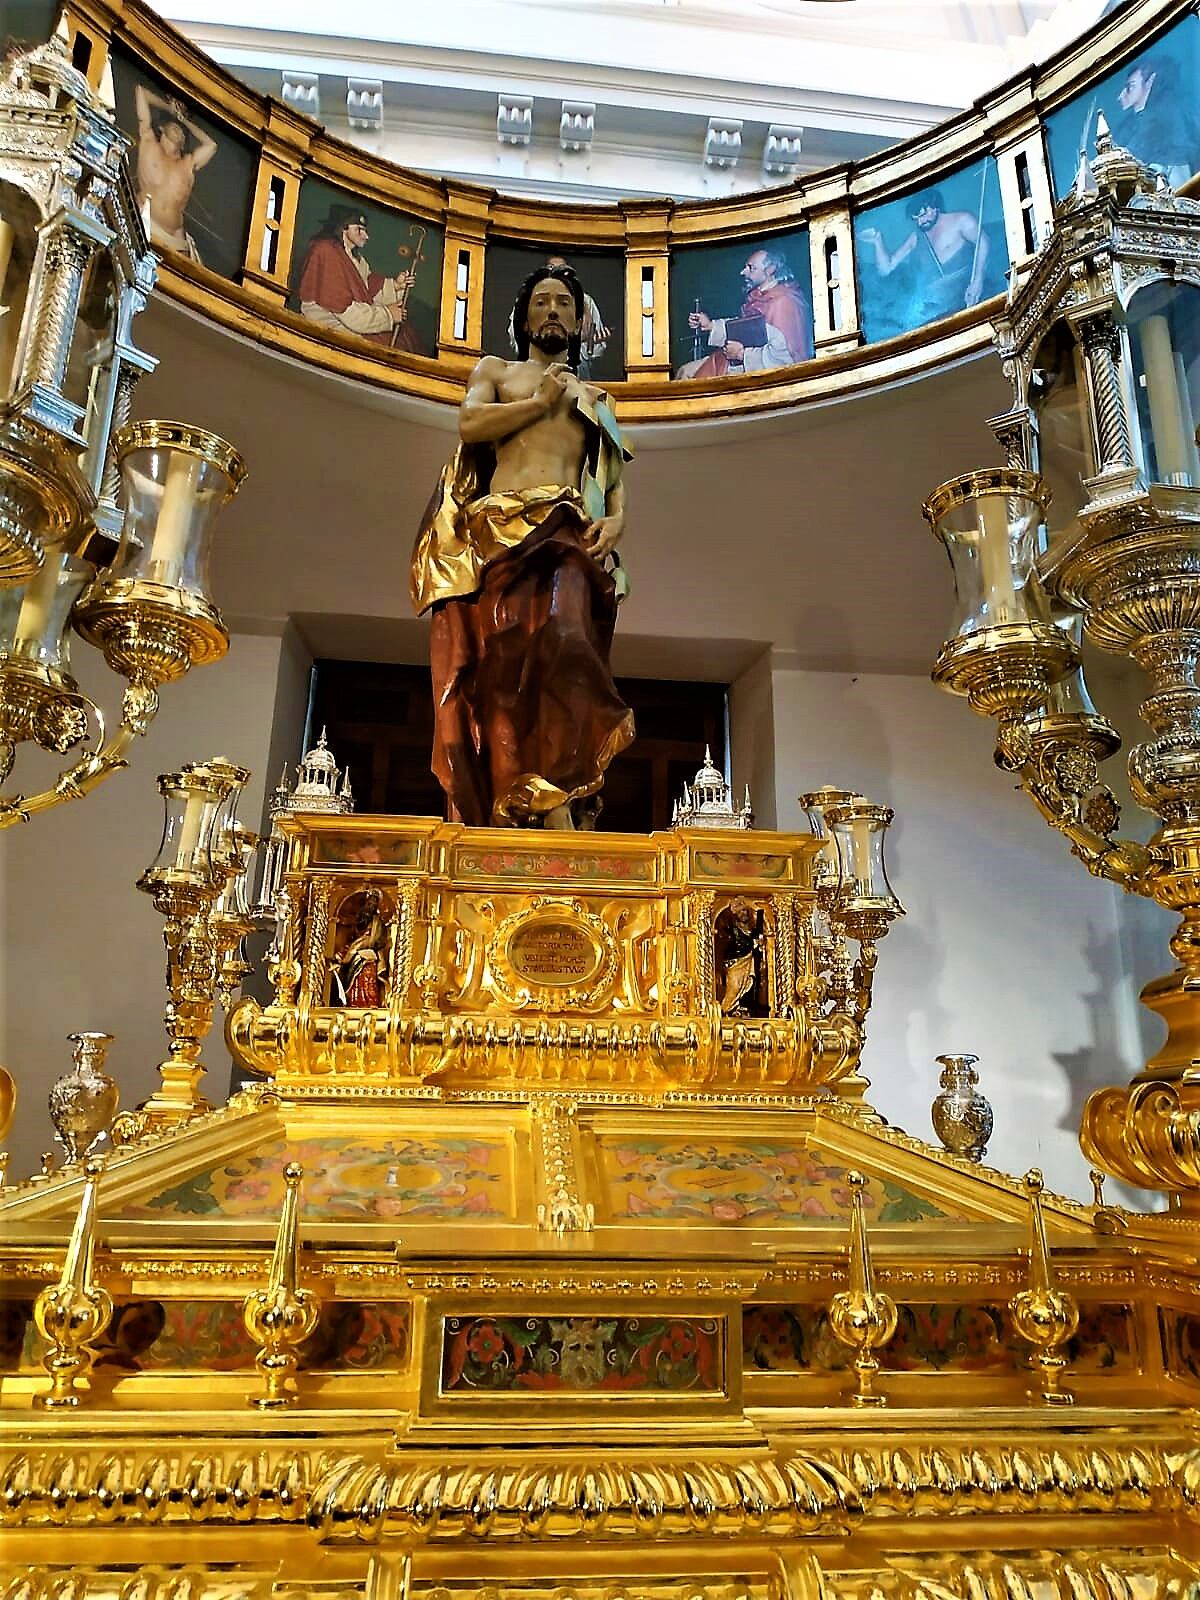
{"points": [[602, 536], [484, 418]]}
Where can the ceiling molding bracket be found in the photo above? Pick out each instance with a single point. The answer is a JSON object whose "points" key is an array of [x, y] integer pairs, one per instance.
{"points": [[302, 91], [723, 142], [781, 153], [364, 104], [514, 118], [577, 125]]}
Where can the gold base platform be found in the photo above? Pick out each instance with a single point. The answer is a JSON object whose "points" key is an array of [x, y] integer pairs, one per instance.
{"points": [[568, 1331]]}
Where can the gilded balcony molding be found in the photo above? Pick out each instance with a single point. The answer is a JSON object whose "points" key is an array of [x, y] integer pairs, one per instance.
{"points": [[292, 147]]}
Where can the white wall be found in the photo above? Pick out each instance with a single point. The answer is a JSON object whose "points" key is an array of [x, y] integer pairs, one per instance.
{"points": [[1010, 949], [82, 948]]}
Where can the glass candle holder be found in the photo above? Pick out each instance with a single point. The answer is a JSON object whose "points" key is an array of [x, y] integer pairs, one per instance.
{"points": [[34, 619], [988, 522], [1069, 697], [193, 798], [176, 478], [859, 829], [817, 804], [236, 850]]}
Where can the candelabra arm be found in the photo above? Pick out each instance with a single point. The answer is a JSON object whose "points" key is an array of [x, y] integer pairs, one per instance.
{"points": [[91, 769], [192, 970], [1121, 861]]}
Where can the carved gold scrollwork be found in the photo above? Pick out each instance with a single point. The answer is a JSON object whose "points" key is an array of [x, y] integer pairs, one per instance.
{"points": [[555, 1132]]}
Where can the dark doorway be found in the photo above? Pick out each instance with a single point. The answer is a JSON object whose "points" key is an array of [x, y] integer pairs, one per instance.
{"points": [[379, 719]]}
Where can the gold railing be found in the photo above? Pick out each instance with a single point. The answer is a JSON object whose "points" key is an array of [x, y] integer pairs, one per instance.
{"points": [[1005, 129]]}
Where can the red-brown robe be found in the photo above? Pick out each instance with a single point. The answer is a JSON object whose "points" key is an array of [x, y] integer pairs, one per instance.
{"points": [[330, 279], [526, 714], [783, 306]]}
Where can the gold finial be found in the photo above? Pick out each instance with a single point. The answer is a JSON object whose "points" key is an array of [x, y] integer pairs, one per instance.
{"points": [[1044, 1314], [282, 1315], [4, 1160], [45, 1168], [862, 1317], [72, 1313], [1097, 1178]]}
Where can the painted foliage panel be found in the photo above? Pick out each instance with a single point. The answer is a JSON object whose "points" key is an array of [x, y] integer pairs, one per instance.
{"points": [[602, 274], [931, 253], [210, 1336], [195, 173], [575, 1355], [365, 270], [741, 308], [931, 1337], [1150, 105]]}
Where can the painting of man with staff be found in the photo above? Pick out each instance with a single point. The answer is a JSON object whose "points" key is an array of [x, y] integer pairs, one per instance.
{"points": [[338, 288], [949, 251]]}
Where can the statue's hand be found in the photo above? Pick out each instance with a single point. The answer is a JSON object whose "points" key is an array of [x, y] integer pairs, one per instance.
{"points": [[553, 385], [601, 537]]}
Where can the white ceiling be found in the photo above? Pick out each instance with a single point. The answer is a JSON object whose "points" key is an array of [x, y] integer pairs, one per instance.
{"points": [[799, 531]]}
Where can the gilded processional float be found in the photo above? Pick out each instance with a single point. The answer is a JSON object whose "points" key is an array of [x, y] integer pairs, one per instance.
{"points": [[554, 1247]]}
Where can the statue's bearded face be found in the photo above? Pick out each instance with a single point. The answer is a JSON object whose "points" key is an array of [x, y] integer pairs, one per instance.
{"points": [[551, 319]]}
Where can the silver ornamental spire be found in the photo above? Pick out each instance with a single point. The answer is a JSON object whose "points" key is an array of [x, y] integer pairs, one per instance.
{"points": [[707, 801]]}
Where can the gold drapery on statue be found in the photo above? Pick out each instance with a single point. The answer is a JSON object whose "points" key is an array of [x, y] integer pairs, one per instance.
{"points": [[526, 715]]}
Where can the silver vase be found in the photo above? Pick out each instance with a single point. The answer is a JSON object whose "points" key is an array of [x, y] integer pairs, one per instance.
{"points": [[83, 1102], [961, 1116]]}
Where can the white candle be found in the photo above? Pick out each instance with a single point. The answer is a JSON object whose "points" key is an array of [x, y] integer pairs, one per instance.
{"points": [[37, 605], [189, 834], [175, 519], [1166, 421], [8, 319], [995, 565]]}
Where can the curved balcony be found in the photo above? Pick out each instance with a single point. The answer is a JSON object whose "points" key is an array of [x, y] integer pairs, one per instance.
{"points": [[847, 279]]}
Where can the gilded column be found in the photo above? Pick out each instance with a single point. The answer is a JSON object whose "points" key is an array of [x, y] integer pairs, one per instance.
{"points": [[706, 977], [785, 955], [316, 934]]}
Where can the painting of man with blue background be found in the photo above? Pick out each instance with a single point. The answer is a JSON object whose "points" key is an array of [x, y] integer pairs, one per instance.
{"points": [[935, 252], [1149, 104]]}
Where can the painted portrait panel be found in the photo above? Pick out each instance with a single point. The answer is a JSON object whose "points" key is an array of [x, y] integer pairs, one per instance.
{"points": [[364, 270], [1150, 104], [744, 307], [196, 174], [931, 253], [602, 353]]}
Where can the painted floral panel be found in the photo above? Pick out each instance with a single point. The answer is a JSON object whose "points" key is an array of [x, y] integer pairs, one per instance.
{"points": [[742, 1181], [929, 1337], [396, 1177], [573, 1355], [363, 850], [543, 864], [723, 864]]}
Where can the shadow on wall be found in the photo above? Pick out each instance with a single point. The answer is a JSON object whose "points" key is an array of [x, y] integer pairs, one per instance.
{"points": [[1104, 1060]]}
